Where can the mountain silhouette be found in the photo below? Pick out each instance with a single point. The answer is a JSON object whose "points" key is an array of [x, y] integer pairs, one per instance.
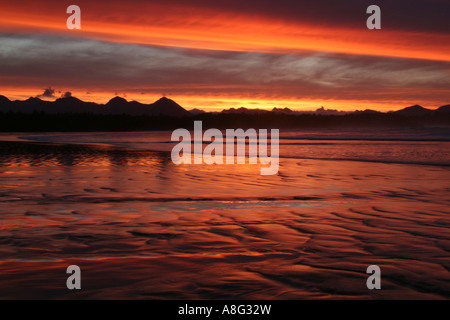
{"points": [[4, 100], [72, 114], [115, 106], [167, 107], [117, 101], [414, 111], [69, 100], [443, 109], [367, 111]]}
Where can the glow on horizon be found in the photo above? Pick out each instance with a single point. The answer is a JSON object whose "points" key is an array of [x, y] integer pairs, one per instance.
{"points": [[190, 27], [217, 103]]}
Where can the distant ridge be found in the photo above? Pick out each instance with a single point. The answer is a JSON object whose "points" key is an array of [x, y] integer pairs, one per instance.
{"points": [[4, 99], [167, 107], [444, 109], [414, 111], [115, 106], [71, 114]]}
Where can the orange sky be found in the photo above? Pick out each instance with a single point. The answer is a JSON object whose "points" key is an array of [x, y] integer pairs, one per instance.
{"points": [[200, 28], [225, 31]]}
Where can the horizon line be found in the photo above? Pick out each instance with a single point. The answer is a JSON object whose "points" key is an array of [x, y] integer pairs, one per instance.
{"points": [[52, 99]]}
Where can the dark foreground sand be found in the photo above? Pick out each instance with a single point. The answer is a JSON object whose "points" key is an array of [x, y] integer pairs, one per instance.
{"points": [[140, 227]]}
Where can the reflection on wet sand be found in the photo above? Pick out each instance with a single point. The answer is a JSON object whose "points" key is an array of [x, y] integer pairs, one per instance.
{"points": [[141, 227]]}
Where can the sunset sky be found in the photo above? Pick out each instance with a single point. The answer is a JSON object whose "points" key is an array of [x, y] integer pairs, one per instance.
{"points": [[219, 54]]}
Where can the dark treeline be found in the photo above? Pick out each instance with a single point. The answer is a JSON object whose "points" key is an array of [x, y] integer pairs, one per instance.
{"points": [[41, 122]]}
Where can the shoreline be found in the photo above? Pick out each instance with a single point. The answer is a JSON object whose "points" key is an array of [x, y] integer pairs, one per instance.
{"points": [[39, 146]]}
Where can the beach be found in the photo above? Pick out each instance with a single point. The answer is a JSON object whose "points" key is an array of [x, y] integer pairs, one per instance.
{"points": [[141, 227]]}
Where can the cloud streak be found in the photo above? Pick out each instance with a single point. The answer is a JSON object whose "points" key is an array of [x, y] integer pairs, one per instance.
{"points": [[231, 51], [70, 64], [414, 29]]}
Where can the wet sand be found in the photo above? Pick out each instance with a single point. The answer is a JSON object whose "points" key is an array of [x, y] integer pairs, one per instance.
{"points": [[142, 228]]}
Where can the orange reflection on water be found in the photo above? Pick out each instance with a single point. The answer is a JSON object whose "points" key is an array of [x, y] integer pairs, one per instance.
{"points": [[142, 227]]}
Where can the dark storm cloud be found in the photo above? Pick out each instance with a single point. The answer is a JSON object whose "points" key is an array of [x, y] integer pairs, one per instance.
{"points": [[48, 93]]}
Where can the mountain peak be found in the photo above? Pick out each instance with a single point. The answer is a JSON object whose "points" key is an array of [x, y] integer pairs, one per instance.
{"points": [[415, 110], [68, 99], [169, 107], [415, 107], [33, 99], [4, 99], [117, 100], [164, 100]]}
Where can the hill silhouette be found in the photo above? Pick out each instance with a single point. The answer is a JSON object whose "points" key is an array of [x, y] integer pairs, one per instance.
{"points": [[115, 106], [443, 109], [4, 100], [118, 114], [414, 111]]}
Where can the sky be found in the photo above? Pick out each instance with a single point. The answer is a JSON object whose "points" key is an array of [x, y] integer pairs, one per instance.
{"points": [[219, 54]]}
